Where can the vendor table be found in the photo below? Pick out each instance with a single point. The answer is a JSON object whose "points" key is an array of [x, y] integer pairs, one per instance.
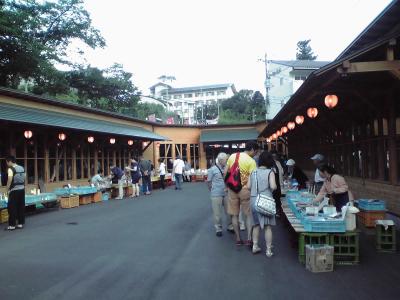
{"points": [[346, 244]]}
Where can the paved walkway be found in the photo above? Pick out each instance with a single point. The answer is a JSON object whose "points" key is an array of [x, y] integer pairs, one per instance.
{"points": [[163, 247]]}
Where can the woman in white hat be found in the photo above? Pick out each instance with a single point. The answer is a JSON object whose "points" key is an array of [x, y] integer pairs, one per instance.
{"points": [[294, 172]]}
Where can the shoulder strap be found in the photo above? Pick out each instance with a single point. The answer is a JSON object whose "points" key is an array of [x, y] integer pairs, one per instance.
{"points": [[255, 174], [220, 170]]}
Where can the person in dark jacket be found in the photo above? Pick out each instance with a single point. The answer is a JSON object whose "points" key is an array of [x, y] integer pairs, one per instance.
{"points": [[116, 177], [136, 177], [294, 172], [145, 168], [16, 194]]}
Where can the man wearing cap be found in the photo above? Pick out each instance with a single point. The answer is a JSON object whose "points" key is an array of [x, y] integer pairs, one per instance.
{"points": [[318, 160]]}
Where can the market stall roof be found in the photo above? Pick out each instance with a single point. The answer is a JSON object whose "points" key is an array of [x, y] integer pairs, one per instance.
{"points": [[234, 135], [55, 119]]}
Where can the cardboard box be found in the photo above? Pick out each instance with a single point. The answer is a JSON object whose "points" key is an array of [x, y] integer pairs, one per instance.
{"points": [[319, 258], [97, 197]]}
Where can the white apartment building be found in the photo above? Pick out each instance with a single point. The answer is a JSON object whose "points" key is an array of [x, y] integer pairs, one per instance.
{"points": [[184, 101], [285, 77]]}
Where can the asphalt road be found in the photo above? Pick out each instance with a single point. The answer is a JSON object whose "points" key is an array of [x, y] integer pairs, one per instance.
{"points": [[163, 247]]}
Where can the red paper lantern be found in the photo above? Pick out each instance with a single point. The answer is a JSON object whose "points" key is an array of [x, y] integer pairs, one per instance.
{"points": [[284, 129], [130, 142], [112, 141], [274, 136], [268, 140], [145, 144], [312, 112], [90, 139], [62, 136], [291, 125], [279, 133], [299, 120], [331, 101], [28, 134]]}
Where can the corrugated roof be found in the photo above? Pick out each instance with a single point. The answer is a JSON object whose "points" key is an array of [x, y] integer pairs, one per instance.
{"points": [[301, 64], [56, 119], [199, 88], [234, 135]]}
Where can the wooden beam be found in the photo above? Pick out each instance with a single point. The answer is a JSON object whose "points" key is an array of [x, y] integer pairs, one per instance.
{"points": [[370, 66], [148, 145]]}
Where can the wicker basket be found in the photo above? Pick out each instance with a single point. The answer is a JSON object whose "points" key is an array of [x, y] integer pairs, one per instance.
{"points": [[85, 199], [3, 216], [69, 201]]}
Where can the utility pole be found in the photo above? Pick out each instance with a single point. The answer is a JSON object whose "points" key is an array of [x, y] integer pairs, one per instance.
{"points": [[267, 86]]}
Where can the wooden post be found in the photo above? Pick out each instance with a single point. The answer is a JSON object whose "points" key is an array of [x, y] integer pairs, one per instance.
{"points": [[46, 160], [73, 164], [114, 157], [57, 165], [173, 151], [393, 175], [381, 154], [188, 154], [36, 163], [96, 163], [65, 163]]}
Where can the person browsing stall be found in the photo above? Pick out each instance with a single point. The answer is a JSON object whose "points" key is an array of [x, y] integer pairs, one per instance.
{"points": [[318, 159], [216, 186], [262, 181], [16, 194], [241, 200], [335, 186], [294, 172]]}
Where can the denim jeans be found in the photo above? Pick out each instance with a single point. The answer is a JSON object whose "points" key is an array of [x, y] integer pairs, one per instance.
{"points": [[146, 183], [178, 181]]}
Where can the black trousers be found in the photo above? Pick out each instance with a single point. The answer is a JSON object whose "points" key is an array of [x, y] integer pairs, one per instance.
{"points": [[162, 181], [16, 207]]}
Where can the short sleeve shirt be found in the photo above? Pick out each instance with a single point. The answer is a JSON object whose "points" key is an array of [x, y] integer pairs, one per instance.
{"points": [[179, 165], [246, 165], [217, 181], [162, 169]]}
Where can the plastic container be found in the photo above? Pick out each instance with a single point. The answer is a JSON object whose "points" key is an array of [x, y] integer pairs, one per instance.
{"points": [[105, 196], [371, 204], [312, 224]]}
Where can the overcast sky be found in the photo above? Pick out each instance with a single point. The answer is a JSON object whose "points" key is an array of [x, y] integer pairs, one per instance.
{"points": [[219, 41]]}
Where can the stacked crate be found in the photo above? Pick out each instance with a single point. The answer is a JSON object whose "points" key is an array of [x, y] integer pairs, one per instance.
{"points": [[371, 211], [347, 247], [385, 236], [310, 238]]}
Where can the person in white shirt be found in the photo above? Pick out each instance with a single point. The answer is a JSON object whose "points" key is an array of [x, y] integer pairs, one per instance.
{"points": [[318, 159], [177, 172], [98, 180], [161, 171]]}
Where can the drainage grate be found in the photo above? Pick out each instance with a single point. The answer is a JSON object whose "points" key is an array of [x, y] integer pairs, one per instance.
{"points": [[72, 223]]}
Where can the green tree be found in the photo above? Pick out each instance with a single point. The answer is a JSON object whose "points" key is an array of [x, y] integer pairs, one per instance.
{"points": [[244, 106], [304, 51], [35, 35], [110, 89], [209, 112]]}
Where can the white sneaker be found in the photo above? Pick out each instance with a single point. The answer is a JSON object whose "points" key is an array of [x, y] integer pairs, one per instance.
{"points": [[256, 249], [242, 227], [269, 253]]}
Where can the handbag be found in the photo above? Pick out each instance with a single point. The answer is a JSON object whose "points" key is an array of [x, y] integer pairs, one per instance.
{"points": [[264, 205]]}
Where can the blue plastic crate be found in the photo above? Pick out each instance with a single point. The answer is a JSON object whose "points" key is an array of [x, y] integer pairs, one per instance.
{"points": [[105, 196], [313, 225], [62, 191], [371, 204], [295, 210]]}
